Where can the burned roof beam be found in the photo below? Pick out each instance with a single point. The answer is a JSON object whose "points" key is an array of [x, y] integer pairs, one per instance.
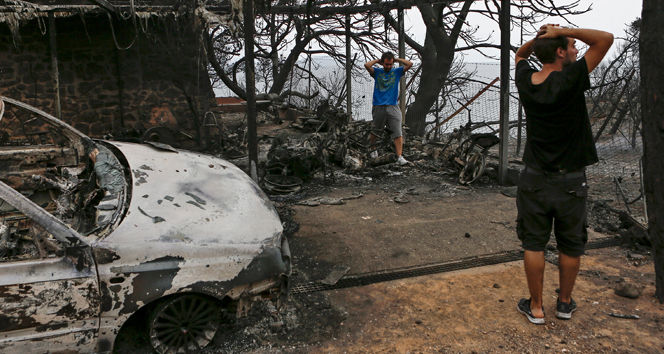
{"points": [[317, 8], [57, 6], [104, 4], [117, 3]]}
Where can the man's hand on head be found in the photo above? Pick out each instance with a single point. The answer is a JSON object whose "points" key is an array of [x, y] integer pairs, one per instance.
{"points": [[549, 31], [407, 64]]}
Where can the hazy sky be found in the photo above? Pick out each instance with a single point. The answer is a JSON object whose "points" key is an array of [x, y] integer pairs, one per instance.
{"points": [[608, 15]]}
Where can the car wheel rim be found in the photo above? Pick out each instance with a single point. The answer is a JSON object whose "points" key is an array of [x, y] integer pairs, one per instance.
{"points": [[184, 325]]}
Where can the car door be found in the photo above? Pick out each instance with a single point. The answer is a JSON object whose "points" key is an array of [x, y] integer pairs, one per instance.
{"points": [[49, 292]]}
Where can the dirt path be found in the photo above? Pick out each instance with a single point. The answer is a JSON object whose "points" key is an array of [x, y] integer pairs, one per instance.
{"points": [[473, 311]]}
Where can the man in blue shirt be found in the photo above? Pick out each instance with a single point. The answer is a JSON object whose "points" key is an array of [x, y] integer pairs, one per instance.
{"points": [[386, 91]]}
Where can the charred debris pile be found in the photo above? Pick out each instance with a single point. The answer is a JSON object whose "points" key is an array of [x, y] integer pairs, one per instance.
{"points": [[325, 144]]}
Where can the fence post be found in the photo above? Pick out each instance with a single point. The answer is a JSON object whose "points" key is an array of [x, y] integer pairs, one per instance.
{"points": [[504, 89], [251, 88], [309, 77], [402, 54]]}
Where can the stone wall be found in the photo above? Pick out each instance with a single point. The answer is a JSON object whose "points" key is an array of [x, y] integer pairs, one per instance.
{"points": [[160, 80]]}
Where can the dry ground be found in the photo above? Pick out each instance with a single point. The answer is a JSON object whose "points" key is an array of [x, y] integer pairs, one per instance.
{"points": [[471, 311]]}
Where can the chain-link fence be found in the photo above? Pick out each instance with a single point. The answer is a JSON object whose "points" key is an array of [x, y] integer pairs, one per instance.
{"points": [[615, 180]]}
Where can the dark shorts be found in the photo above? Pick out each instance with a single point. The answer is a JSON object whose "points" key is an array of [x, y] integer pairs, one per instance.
{"points": [[552, 201], [387, 115]]}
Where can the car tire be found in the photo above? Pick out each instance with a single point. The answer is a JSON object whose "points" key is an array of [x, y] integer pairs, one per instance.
{"points": [[183, 324]]}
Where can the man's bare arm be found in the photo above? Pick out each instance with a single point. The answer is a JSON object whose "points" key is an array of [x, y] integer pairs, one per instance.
{"points": [[369, 66], [524, 52], [599, 41], [406, 63]]}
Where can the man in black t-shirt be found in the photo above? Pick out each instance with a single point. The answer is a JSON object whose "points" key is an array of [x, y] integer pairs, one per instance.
{"points": [[552, 189]]}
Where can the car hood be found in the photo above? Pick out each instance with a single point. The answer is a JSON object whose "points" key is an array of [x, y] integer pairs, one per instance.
{"points": [[184, 197]]}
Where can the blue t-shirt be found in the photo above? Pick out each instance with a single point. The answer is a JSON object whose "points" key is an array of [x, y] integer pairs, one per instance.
{"points": [[386, 86]]}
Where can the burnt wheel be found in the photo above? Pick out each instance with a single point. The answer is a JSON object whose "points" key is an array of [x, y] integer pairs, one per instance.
{"points": [[184, 324], [473, 169], [461, 154]]}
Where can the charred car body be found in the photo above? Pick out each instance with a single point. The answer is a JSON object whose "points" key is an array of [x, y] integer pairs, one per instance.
{"points": [[93, 231]]}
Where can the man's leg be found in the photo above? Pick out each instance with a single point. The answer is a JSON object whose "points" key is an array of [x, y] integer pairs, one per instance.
{"points": [[379, 116], [394, 124], [534, 229], [569, 269], [571, 235], [534, 263], [398, 144]]}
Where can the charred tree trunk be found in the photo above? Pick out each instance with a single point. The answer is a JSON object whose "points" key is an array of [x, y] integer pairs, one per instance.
{"points": [[437, 55], [281, 77], [435, 67], [214, 62], [652, 103]]}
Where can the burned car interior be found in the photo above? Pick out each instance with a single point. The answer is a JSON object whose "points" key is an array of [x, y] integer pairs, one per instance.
{"points": [[82, 184]]}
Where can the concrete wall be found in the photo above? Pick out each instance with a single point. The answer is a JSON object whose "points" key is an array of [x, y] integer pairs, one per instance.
{"points": [[103, 89]]}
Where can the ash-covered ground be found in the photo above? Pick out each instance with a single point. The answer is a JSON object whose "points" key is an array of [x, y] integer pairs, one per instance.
{"points": [[395, 210]]}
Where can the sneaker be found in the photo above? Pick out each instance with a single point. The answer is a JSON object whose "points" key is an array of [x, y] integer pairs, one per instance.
{"points": [[524, 308], [564, 310], [401, 161], [373, 154]]}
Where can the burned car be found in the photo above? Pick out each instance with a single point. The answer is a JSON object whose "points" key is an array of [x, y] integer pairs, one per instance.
{"points": [[94, 232]]}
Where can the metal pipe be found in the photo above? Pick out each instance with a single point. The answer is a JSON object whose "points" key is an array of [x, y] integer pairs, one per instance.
{"points": [[504, 89], [251, 88]]}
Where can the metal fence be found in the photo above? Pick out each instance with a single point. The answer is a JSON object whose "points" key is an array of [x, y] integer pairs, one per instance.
{"points": [[615, 180]]}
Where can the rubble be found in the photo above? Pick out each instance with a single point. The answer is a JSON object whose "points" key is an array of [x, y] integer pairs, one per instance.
{"points": [[330, 144], [316, 201]]}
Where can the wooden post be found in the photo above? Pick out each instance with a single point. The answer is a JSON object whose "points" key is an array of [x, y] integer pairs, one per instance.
{"points": [[54, 64], [505, 59], [251, 88]]}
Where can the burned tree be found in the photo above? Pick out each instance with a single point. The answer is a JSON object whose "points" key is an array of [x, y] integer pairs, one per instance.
{"points": [[448, 33], [652, 91], [293, 33], [616, 89]]}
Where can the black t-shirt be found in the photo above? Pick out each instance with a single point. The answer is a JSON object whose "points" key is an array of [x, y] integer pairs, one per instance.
{"points": [[557, 124]]}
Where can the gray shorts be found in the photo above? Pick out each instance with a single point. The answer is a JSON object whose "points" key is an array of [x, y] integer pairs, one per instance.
{"points": [[390, 116]]}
